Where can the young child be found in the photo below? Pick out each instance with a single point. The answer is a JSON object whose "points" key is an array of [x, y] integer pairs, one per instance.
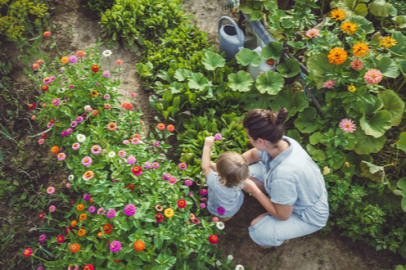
{"points": [[225, 185]]}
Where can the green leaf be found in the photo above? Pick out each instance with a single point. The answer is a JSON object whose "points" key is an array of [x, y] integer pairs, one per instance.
{"points": [[213, 60], [306, 122], [318, 155], [402, 183], [198, 81], [368, 144], [372, 171], [371, 105], [247, 57], [272, 51], [361, 10], [270, 4], [246, 7], [363, 24], [393, 104], [176, 87], [380, 8], [388, 67], [270, 82], [402, 67], [318, 64], [242, 81], [294, 103], [182, 74], [376, 125], [294, 134], [316, 138], [288, 68], [338, 160], [401, 143]]}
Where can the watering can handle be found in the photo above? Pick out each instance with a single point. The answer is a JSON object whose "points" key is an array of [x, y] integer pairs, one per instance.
{"points": [[240, 35]]}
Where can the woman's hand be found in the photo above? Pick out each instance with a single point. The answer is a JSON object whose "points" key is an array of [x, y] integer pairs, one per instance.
{"points": [[250, 186], [209, 142]]}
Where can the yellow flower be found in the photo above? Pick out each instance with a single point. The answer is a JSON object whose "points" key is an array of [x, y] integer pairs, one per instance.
{"points": [[326, 170], [337, 56], [168, 212], [337, 14], [348, 27], [351, 88], [346, 164], [388, 42], [360, 49]]}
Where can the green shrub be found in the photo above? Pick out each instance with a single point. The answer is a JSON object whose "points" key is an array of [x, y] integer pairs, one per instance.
{"points": [[99, 6]]}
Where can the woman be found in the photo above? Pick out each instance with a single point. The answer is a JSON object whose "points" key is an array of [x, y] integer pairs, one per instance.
{"points": [[297, 204]]}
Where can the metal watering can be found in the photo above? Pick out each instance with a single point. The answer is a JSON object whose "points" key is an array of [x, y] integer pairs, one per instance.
{"points": [[231, 38]]}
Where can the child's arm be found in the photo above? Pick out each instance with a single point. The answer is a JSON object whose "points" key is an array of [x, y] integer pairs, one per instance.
{"points": [[206, 163]]}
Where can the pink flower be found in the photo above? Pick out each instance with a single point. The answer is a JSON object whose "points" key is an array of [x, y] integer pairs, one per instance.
{"points": [[131, 160], [215, 219], [218, 137], [135, 141], [115, 246], [132, 94], [329, 84], [155, 143], [182, 166], [75, 146], [203, 205], [129, 210], [195, 221], [50, 190], [188, 182], [41, 141], [155, 165], [60, 239], [357, 64], [126, 142], [92, 209], [55, 102], [86, 197], [111, 213], [312, 33], [42, 237], [68, 185], [203, 191], [347, 125], [87, 161], [106, 96], [373, 76], [106, 74], [167, 176], [121, 153], [190, 194], [61, 156], [52, 208], [96, 150], [147, 165], [73, 124], [172, 180], [101, 211]]}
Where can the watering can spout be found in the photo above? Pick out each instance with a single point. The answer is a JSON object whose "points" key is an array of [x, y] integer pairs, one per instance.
{"points": [[231, 38]]}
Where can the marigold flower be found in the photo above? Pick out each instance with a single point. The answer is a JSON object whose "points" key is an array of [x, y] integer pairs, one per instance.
{"points": [[357, 64], [139, 245], [337, 56], [95, 68], [161, 126], [312, 33], [182, 203], [83, 217], [169, 212], [80, 207], [80, 53], [100, 235], [107, 228], [65, 60], [373, 76], [159, 218], [74, 248], [81, 232], [112, 126], [347, 125], [213, 239], [47, 34], [388, 42], [94, 93], [351, 88], [360, 49], [28, 252], [60, 239], [337, 14], [348, 27]]}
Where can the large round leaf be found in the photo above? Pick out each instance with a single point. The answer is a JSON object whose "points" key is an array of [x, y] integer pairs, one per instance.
{"points": [[181, 74], [319, 65], [402, 183], [380, 8], [393, 104], [363, 24], [242, 81], [376, 125], [306, 121], [402, 67], [400, 43], [288, 68], [247, 57], [401, 143], [318, 155], [270, 82], [198, 81], [368, 144], [371, 105], [292, 102], [388, 67], [338, 160], [176, 87], [272, 50], [213, 60]]}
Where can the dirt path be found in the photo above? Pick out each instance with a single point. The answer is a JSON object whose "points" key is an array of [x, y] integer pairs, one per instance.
{"points": [[76, 30]]}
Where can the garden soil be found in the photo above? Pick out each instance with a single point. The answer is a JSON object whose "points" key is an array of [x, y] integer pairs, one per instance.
{"points": [[76, 29]]}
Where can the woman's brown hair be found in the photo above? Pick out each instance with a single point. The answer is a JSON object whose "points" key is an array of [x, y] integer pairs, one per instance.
{"points": [[265, 124], [232, 169]]}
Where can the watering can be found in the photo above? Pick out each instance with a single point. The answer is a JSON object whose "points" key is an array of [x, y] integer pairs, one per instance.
{"points": [[231, 38]]}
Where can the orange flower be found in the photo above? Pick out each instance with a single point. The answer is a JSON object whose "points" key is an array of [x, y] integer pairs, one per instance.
{"points": [[170, 128], [94, 93], [139, 245], [35, 66], [337, 14], [82, 217], [141, 121], [65, 60], [112, 126], [74, 248], [55, 150], [91, 199], [337, 56], [161, 126], [107, 228], [95, 68], [80, 53], [43, 105], [360, 49], [39, 62], [73, 223], [348, 27], [95, 112], [100, 235], [81, 232], [80, 207], [33, 117], [137, 136], [127, 106]]}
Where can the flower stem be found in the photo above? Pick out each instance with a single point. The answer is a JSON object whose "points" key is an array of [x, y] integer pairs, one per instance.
{"points": [[400, 87], [39, 258]]}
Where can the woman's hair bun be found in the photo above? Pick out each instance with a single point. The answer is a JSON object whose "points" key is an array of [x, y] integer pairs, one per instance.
{"points": [[281, 115]]}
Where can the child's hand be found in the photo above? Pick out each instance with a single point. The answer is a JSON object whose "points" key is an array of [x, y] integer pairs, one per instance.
{"points": [[209, 142]]}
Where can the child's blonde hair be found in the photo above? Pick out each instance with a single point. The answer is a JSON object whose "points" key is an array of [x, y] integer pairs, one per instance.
{"points": [[232, 169]]}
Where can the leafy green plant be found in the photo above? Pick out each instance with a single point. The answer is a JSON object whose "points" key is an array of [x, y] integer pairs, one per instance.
{"points": [[99, 6]]}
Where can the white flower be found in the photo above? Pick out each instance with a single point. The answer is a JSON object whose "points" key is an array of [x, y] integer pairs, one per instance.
{"points": [[218, 263], [107, 53], [230, 257], [81, 138], [61, 90], [220, 225], [70, 177], [87, 107], [112, 154], [239, 267]]}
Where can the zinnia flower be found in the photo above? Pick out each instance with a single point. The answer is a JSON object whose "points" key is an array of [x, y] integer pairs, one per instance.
{"points": [[65, 60], [87, 161], [80, 207], [182, 166], [170, 128], [155, 165], [101, 211], [127, 106], [203, 205], [35, 66], [159, 218], [137, 171], [74, 248], [135, 141], [155, 144], [81, 138], [73, 124], [86, 197], [388, 42], [41, 215], [111, 213], [94, 93], [71, 177], [112, 126], [81, 232], [337, 14], [312, 33], [112, 154], [45, 88], [32, 106], [121, 153], [129, 210], [50, 190], [167, 176], [79, 119], [115, 246], [221, 210], [351, 88], [330, 84], [373, 76], [55, 102], [348, 27], [107, 53], [119, 62], [95, 68], [213, 239], [337, 56], [220, 225], [106, 74], [239, 267], [75, 146], [27, 252], [80, 53], [360, 49], [60, 239], [169, 212], [161, 126], [61, 156], [172, 180], [42, 238], [131, 160], [107, 228], [357, 64], [106, 96], [47, 34], [203, 191], [215, 219], [147, 165], [88, 175], [195, 221], [73, 223], [159, 207], [73, 59], [347, 125], [41, 141], [96, 150], [188, 182], [182, 203], [107, 106]]}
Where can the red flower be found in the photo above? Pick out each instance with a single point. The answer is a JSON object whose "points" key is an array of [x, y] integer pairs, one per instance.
{"points": [[68, 229], [35, 66], [41, 216], [47, 34], [107, 228], [52, 120], [170, 128], [43, 135], [213, 239], [44, 88], [161, 126], [95, 68], [39, 62], [159, 218], [60, 239], [127, 105], [88, 267], [28, 252], [117, 261], [32, 106], [72, 202], [137, 171], [182, 203], [130, 186]]}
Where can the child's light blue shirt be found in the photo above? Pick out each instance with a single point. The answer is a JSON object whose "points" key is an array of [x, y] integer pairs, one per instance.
{"points": [[230, 199]]}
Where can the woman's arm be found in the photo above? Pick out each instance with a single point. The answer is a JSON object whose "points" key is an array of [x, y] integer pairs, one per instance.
{"points": [[251, 156], [206, 163], [281, 212]]}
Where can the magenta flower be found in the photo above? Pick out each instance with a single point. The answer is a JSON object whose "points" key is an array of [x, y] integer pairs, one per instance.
{"points": [[188, 182], [96, 150], [129, 210], [167, 176], [60, 239], [64, 133], [147, 165], [69, 131], [203, 191], [221, 210], [131, 160], [172, 180], [203, 199], [50, 190], [101, 211], [132, 94], [373, 76], [61, 156], [73, 59], [71, 86], [75, 146], [155, 165], [49, 125], [329, 84], [40, 268], [195, 221], [182, 166], [79, 119], [126, 142], [217, 137], [42, 237], [121, 153], [87, 161], [92, 209], [52, 78], [106, 74], [347, 125], [203, 205], [73, 124], [86, 197], [155, 143], [55, 102], [111, 213], [52, 208], [115, 246], [41, 141]]}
